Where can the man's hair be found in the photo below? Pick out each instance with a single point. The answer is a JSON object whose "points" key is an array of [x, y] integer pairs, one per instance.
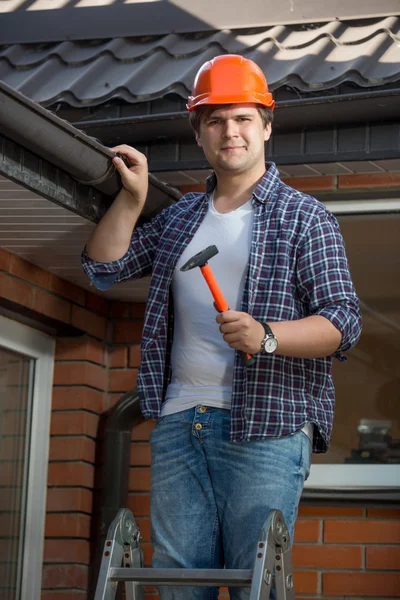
{"points": [[203, 112]]}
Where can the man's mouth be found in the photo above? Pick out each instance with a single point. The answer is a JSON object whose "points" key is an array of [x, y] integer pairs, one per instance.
{"points": [[232, 148]]}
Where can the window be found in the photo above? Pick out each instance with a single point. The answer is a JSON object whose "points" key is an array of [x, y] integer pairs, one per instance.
{"points": [[26, 373], [365, 445]]}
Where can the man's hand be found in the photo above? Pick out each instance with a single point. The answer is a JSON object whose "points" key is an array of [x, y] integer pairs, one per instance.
{"points": [[241, 331], [135, 178]]}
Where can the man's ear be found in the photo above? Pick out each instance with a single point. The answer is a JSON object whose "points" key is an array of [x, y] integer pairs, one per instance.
{"points": [[267, 132], [198, 139]]}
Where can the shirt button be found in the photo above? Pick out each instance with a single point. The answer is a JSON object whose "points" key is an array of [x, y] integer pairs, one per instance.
{"points": [[198, 426], [203, 409]]}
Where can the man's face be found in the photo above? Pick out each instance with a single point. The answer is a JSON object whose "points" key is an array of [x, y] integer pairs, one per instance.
{"points": [[233, 138]]}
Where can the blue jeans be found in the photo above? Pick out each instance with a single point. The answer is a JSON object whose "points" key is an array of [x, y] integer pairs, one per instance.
{"points": [[210, 497]]}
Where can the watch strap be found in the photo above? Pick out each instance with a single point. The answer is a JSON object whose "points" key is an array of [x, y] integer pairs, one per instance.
{"points": [[267, 329]]}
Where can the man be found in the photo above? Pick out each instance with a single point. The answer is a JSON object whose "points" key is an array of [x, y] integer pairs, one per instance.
{"points": [[231, 442]]}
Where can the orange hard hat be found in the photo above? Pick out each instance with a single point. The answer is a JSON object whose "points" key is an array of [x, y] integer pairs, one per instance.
{"points": [[230, 79]]}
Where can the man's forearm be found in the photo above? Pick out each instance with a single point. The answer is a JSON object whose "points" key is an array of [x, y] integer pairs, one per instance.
{"points": [[311, 337], [111, 238]]}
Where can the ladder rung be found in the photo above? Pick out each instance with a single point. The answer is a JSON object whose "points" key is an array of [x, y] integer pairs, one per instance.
{"points": [[199, 577]]}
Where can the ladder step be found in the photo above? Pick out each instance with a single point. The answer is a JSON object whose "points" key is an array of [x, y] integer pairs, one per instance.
{"points": [[198, 577]]}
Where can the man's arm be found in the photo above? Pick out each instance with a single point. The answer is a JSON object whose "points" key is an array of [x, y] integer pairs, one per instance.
{"points": [[111, 238], [311, 337], [325, 287]]}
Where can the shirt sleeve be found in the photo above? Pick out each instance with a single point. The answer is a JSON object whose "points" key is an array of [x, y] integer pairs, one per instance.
{"points": [[137, 262], [324, 280]]}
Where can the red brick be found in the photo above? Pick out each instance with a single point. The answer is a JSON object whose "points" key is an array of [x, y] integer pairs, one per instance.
{"points": [[67, 525], [140, 454], [77, 422], [144, 526], [29, 272], [120, 310], [10, 448], [118, 357], [14, 422], [69, 500], [384, 513], [148, 554], [70, 474], [134, 356], [64, 288], [122, 380], [97, 304], [141, 433], [15, 290], [7, 474], [65, 576], [5, 260], [331, 511], [72, 448], [70, 398], [127, 332], [80, 349], [195, 187], [383, 557], [362, 532], [307, 530], [48, 304], [361, 584], [305, 582], [139, 504], [139, 479], [327, 557], [87, 321], [306, 184], [369, 180], [66, 551], [64, 595], [138, 310], [81, 373]]}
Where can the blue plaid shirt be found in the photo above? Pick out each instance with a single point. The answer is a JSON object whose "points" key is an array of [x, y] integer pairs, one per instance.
{"points": [[297, 267]]}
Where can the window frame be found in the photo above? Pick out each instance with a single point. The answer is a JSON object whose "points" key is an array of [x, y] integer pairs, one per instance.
{"points": [[39, 347], [357, 478]]}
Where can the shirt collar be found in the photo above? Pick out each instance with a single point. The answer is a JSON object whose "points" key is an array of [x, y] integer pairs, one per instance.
{"points": [[263, 189]]}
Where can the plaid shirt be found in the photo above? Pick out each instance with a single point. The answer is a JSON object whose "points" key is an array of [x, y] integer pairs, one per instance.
{"points": [[297, 268]]}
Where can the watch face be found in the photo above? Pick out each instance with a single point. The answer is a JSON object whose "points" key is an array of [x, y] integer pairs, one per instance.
{"points": [[271, 345]]}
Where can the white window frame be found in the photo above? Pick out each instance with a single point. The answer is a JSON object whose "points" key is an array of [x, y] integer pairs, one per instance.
{"points": [[38, 346], [356, 477]]}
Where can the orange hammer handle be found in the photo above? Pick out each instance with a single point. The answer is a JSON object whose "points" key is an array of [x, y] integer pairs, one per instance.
{"points": [[218, 296], [220, 302]]}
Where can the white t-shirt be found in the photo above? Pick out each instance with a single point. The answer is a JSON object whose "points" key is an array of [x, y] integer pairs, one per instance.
{"points": [[202, 363]]}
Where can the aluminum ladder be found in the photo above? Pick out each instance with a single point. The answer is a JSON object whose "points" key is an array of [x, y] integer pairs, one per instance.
{"points": [[122, 561]]}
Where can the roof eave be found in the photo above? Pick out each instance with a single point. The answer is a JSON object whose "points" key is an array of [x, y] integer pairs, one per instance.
{"points": [[72, 153]]}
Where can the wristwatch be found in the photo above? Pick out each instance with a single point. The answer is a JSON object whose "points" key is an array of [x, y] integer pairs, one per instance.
{"points": [[269, 344]]}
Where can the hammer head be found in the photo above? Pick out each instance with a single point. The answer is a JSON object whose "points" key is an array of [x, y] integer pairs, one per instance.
{"points": [[200, 259]]}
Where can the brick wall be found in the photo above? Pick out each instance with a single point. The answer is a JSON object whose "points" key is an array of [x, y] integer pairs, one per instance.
{"points": [[331, 183], [339, 552]]}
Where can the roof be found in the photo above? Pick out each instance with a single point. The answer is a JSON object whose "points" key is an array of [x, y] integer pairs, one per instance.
{"points": [[308, 58]]}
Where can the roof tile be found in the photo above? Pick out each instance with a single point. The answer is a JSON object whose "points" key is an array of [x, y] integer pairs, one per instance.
{"points": [[305, 57]]}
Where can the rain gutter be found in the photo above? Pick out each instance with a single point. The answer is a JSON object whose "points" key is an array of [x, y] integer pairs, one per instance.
{"points": [[69, 149]]}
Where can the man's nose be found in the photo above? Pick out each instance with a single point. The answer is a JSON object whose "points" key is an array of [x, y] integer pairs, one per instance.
{"points": [[230, 129]]}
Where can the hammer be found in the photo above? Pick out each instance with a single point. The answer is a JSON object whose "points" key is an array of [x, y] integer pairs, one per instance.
{"points": [[201, 260]]}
